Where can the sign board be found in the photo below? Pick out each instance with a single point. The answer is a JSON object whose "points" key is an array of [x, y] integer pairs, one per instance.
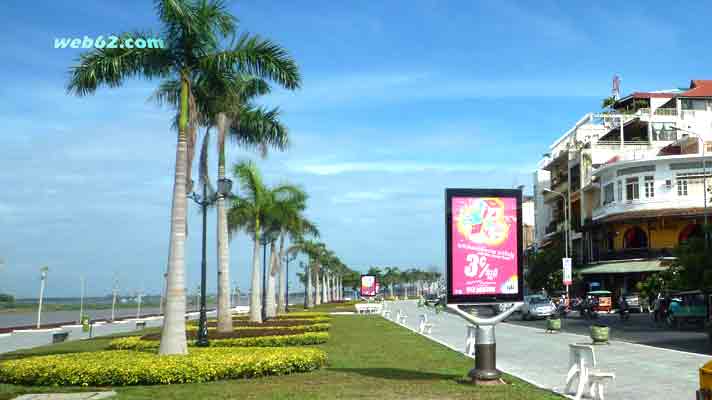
{"points": [[483, 245], [378, 287], [567, 271], [368, 285]]}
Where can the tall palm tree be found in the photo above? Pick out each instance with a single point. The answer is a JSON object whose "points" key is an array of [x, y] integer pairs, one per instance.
{"points": [[313, 251], [192, 32], [224, 102]]}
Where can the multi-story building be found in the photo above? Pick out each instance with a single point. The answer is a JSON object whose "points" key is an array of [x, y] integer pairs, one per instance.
{"points": [[632, 181]]}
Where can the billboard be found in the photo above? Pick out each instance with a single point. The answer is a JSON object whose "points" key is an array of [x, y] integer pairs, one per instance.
{"points": [[567, 271], [368, 285], [484, 245]]}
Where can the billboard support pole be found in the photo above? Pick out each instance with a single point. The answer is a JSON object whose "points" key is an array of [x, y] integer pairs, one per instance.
{"points": [[485, 370]]}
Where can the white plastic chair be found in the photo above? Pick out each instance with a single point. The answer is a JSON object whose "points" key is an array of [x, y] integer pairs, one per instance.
{"points": [[401, 317], [470, 340], [582, 364], [424, 326]]}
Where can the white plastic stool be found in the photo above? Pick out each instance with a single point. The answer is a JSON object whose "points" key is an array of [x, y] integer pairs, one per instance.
{"points": [[470, 340]]}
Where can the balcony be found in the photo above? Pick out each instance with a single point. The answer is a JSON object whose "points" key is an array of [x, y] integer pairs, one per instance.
{"points": [[630, 254], [627, 145]]}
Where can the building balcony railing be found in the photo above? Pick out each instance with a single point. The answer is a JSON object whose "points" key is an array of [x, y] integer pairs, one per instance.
{"points": [[628, 254], [616, 144], [663, 201]]}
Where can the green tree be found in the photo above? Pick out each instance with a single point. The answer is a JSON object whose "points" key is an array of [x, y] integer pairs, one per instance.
{"points": [[545, 269], [192, 32]]}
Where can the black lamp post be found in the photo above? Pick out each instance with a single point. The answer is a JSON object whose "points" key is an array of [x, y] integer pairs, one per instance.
{"points": [[287, 259], [224, 186], [265, 239]]}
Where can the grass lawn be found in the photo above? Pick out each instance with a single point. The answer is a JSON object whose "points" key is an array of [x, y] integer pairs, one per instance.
{"points": [[369, 358]]}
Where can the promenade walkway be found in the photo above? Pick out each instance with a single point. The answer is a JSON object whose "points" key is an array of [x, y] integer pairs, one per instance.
{"points": [[642, 372]]}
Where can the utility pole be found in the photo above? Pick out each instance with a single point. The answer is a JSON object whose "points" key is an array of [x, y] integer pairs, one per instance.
{"points": [[114, 291], [81, 299], [43, 279]]}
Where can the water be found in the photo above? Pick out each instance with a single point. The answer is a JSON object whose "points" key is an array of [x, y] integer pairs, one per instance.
{"points": [[29, 317]]}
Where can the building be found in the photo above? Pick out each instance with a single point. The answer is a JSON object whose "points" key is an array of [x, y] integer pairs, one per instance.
{"points": [[632, 179]]}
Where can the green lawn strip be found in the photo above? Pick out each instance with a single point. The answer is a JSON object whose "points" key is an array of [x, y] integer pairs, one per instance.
{"points": [[369, 358]]}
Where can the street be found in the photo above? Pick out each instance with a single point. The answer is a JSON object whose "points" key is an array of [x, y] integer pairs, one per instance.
{"points": [[639, 329]]}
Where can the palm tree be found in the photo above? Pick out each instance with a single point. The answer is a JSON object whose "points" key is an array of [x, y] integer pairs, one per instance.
{"points": [[294, 227], [192, 31], [248, 125], [313, 251]]}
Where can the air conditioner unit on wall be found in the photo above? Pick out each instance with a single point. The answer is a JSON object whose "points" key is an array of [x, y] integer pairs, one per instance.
{"points": [[668, 184]]}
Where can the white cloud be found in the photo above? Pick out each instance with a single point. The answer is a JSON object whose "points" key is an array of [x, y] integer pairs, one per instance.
{"points": [[357, 197]]}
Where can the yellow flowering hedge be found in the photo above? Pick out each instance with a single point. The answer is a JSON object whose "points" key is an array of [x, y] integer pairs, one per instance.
{"points": [[122, 367], [291, 315], [320, 327], [302, 339]]}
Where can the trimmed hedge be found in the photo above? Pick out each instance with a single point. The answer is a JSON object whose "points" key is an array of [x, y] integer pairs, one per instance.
{"points": [[319, 327], [122, 367], [292, 315], [309, 338]]}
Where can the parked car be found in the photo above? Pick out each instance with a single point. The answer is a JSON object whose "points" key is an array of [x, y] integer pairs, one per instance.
{"points": [[686, 307], [634, 304], [537, 306]]}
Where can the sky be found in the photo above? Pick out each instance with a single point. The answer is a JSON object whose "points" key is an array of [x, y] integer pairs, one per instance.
{"points": [[400, 99]]}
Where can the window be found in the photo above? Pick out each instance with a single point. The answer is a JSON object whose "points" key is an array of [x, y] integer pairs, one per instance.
{"points": [[632, 189], [620, 191], [664, 131], [608, 193], [689, 104], [649, 187], [708, 147], [681, 185]]}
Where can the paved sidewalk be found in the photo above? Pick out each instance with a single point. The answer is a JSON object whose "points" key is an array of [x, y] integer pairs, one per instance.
{"points": [[642, 372]]}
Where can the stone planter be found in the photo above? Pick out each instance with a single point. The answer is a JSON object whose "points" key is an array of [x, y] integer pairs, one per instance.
{"points": [[599, 334], [553, 325]]}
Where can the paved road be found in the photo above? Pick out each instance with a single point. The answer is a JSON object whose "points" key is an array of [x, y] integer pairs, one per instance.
{"points": [[642, 372], [640, 329]]}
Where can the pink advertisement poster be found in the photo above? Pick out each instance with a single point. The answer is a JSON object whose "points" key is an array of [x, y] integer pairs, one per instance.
{"points": [[484, 246], [368, 285]]}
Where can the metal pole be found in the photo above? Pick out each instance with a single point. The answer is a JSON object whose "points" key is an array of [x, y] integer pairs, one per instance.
{"points": [[264, 272], [286, 294], [42, 287], [113, 302], [81, 301], [704, 189], [138, 307], [203, 328]]}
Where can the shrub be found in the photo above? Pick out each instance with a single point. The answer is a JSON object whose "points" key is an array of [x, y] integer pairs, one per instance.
{"points": [[302, 339], [319, 327], [293, 315], [121, 367]]}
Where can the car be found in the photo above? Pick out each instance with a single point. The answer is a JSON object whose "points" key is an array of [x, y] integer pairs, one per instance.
{"points": [[537, 306], [633, 301], [431, 300]]}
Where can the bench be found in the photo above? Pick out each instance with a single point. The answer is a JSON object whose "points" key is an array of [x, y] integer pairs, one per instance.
{"points": [[368, 308], [401, 317], [424, 326], [470, 340], [59, 337], [582, 365]]}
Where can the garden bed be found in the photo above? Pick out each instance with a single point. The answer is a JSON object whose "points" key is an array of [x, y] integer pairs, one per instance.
{"points": [[301, 339], [122, 367]]}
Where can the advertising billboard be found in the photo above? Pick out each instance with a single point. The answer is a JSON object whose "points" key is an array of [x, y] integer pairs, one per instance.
{"points": [[368, 285], [566, 262], [484, 245]]}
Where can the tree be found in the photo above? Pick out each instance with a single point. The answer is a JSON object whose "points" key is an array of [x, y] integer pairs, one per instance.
{"points": [[247, 213], [608, 102], [545, 269], [192, 32]]}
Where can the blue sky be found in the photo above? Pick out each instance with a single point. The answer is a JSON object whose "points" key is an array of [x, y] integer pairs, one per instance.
{"points": [[400, 99]]}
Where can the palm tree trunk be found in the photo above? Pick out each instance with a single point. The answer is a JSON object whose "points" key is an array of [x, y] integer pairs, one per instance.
{"points": [[317, 283], [281, 298], [173, 339], [309, 299], [324, 286], [256, 289], [271, 306], [224, 308]]}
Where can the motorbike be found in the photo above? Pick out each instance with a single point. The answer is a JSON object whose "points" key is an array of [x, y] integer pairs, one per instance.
{"points": [[587, 312], [624, 314], [562, 310]]}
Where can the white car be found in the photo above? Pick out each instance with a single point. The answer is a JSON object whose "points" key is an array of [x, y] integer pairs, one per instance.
{"points": [[537, 306]]}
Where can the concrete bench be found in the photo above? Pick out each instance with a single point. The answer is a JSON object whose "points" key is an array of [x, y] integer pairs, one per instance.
{"points": [[424, 326], [401, 317], [582, 365]]}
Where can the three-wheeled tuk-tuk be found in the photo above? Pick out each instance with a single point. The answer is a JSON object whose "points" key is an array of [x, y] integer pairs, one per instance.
{"points": [[603, 300]]}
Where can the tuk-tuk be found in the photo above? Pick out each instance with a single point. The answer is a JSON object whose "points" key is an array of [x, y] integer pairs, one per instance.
{"points": [[603, 300], [687, 307]]}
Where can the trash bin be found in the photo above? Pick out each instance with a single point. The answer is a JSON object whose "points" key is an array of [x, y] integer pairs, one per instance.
{"points": [[705, 392]]}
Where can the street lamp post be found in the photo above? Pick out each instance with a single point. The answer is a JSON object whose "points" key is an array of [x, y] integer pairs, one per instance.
{"points": [[286, 294], [114, 290], [704, 178], [567, 228], [43, 279], [81, 299], [224, 186]]}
